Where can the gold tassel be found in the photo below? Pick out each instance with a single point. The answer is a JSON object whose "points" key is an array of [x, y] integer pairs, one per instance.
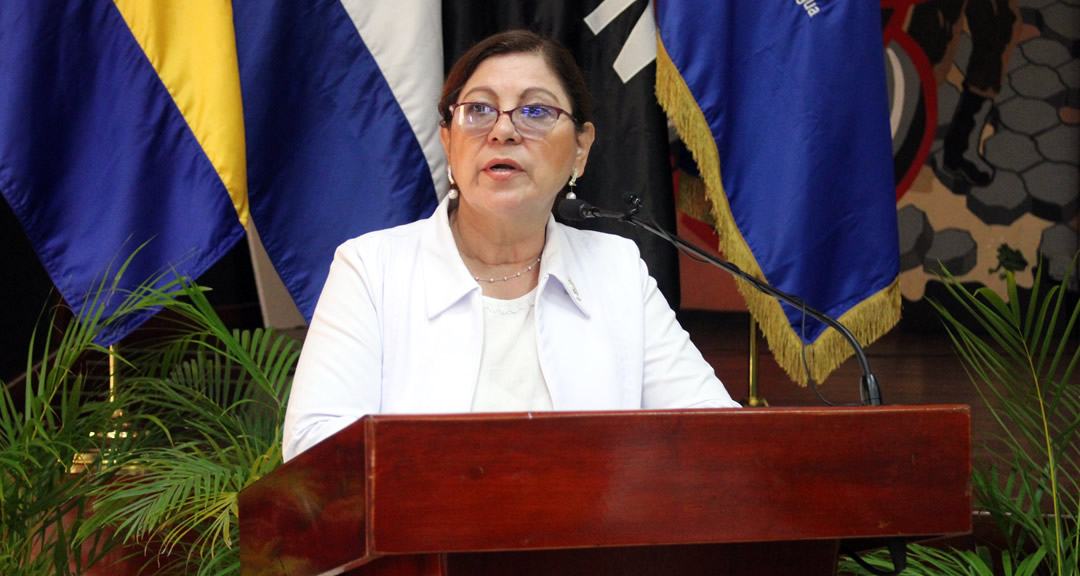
{"points": [[867, 321]]}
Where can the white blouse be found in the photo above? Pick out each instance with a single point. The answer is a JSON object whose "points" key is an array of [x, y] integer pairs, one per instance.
{"points": [[400, 326], [510, 377]]}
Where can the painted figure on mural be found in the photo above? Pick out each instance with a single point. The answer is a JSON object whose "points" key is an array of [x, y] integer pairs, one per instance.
{"points": [[994, 26]]}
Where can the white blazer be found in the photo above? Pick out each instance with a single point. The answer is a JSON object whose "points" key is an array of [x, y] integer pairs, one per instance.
{"points": [[399, 330]]}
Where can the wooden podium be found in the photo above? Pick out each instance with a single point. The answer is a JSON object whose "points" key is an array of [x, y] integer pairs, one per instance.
{"points": [[754, 491]]}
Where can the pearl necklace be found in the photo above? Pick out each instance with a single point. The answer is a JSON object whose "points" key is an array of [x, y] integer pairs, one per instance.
{"points": [[510, 277]]}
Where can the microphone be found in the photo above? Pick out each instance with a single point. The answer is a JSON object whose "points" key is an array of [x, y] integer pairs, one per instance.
{"points": [[575, 210]]}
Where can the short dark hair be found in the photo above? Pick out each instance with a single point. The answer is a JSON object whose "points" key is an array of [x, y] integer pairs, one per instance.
{"points": [[557, 57]]}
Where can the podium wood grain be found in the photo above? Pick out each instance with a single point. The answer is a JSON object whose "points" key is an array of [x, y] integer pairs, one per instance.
{"points": [[426, 494]]}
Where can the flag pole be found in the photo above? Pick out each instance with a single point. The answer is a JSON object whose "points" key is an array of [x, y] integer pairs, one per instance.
{"points": [[752, 398]]}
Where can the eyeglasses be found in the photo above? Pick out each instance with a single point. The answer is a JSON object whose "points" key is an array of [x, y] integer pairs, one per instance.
{"points": [[531, 120]]}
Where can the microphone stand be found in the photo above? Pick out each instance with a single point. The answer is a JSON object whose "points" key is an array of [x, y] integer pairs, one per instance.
{"points": [[580, 210]]}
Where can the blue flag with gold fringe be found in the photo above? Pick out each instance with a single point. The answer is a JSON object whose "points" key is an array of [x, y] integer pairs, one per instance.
{"points": [[783, 104]]}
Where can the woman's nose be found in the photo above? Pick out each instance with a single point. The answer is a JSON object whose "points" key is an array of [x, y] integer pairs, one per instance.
{"points": [[504, 130]]}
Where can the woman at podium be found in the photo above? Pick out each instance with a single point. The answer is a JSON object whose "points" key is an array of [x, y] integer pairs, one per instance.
{"points": [[490, 305]]}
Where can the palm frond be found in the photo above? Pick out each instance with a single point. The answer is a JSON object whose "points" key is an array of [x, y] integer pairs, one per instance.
{"points": [[1022, 370], [928, 561], [54, 445], [215, 401]]}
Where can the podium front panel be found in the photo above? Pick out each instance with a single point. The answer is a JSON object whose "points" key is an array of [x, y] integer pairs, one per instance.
{"points": [[405, 485], [516, 482]]}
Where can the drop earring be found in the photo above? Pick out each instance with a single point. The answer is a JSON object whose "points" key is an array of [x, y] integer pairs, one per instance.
{"points": [[573, 182], [453, 193]]}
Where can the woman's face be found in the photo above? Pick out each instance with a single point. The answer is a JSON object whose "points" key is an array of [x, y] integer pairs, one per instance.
{"points": [[501, 172]]}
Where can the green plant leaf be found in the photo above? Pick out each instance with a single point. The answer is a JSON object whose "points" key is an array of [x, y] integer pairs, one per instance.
{"points": [[1037, 410]]}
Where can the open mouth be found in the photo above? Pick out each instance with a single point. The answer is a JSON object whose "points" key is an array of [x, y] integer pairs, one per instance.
{"points": [[502, 166]]}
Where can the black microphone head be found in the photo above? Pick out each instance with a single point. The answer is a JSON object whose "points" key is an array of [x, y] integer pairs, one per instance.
{"points": [[574, 210], [631, 199]]}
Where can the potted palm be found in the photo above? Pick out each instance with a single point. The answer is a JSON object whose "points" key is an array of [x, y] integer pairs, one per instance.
{"points": [[58, 445], [1021, 358], [212, 403], [152, 469]]}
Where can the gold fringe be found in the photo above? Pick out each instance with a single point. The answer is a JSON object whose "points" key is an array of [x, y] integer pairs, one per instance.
{"points": [[693, 201], [867, 321]]}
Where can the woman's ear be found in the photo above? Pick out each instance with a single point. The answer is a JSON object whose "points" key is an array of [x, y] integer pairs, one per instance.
{"points": [[585, 139], [444, 137]]}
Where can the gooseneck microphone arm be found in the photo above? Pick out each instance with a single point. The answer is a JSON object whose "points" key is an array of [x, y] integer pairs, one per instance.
{"points": [[578, 210]]}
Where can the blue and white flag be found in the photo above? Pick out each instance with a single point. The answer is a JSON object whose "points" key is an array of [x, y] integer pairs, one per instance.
{"points": [[341, 122]]}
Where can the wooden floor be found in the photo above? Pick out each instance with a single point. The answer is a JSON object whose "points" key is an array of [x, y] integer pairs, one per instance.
{"points": [[911, 368]]}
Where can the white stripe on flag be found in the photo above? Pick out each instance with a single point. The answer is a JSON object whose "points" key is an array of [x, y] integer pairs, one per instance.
{"points": [[640, 48], [607, 11], [405, 38]]}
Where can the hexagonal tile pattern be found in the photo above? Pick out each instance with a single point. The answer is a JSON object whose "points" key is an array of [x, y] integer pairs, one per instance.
{"points": [[1040, 82], [1011, 151], [1060, 144], [1028, 116], [954, 249], [1058, 244], [1045, 52], [1054, 190], [916, 235], [1070, 74], [1002, 202], [1017, 61], [1062, 22], [1034, 146], [1005, 94]]}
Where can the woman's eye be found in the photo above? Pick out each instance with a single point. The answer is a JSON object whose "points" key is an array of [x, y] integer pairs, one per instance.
{"points": [[480, 109], [536, 112]]}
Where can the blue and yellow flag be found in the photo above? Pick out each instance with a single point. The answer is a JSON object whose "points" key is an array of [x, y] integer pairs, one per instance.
{"points": [[130, 123], [121, 124], [783, 104]]}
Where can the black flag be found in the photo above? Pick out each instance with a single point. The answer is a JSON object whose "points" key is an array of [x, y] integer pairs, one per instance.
{"points": [[631, 153]]}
